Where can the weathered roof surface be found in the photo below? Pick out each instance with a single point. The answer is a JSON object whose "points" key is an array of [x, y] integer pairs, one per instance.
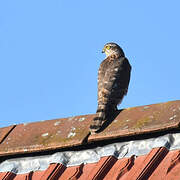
{"points": [[154, 158], [68, 132], [119, 150]]}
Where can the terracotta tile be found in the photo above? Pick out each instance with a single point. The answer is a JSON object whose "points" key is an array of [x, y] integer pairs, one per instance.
{"points": [[7, 176], [72, 173], [159, 163], [5, 131], [102, 168], [160, 171], [120, 168], [68, 132], [137, 161], [37, 175], [173, 168], [142, 119], [45, 135], [27, 176], [87, 169], [53, 172], [60, 133], [2, 175], [150, 163], [168, 167]]}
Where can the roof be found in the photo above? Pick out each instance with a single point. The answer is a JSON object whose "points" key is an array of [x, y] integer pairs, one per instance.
{"points": [[127, 160], [141, 142]]}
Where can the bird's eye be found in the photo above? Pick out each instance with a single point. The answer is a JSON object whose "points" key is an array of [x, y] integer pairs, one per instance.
{"points": [[108, 47]]}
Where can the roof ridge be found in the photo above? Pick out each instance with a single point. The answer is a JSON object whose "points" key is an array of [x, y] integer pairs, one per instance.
{"points": [[70, 132]]}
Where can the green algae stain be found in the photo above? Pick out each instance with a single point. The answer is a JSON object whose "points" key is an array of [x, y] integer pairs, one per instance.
{"points": [[142, 122], [49, 139]]}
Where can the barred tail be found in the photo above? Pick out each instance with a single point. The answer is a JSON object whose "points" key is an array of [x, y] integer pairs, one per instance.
{"points": [[102, 114]]}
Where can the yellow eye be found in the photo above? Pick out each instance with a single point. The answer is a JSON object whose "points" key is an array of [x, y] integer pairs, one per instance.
{"points": [[107, 47]]}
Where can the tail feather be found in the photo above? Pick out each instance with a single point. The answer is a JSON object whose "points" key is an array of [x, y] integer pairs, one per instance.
{"points": [[102, 115]]}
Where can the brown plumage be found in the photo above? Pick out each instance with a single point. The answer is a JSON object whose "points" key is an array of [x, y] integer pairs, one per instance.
{"points": [[113, 81]]}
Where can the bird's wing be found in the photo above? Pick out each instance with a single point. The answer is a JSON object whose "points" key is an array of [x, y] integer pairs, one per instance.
{"points": [[114, 84], [123, 75], [101, 74]]}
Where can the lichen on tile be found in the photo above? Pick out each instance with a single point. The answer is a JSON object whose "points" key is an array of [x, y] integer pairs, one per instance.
{"points": [[82, 119], [45, 134]]}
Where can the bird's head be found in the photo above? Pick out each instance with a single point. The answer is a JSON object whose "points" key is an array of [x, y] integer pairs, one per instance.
{"points": [[113, 49]]}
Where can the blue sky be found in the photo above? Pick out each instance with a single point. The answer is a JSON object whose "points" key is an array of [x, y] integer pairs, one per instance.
{"points": [[50, 52]]}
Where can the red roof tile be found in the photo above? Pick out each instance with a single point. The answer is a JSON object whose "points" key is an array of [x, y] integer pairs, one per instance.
{"points": [[142, 119], [102, 167], [60, 133], [155, 158], [54, 171], [158, 164], [120, 168], [4, 132], [74, 172], [150, 162]]}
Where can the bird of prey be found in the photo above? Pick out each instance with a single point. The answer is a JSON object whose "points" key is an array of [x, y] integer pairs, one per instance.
{"points": [[113, 81]]}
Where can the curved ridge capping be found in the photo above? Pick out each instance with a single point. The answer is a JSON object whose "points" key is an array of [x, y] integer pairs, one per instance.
{"points": [[68, 132], [142, 119]]}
